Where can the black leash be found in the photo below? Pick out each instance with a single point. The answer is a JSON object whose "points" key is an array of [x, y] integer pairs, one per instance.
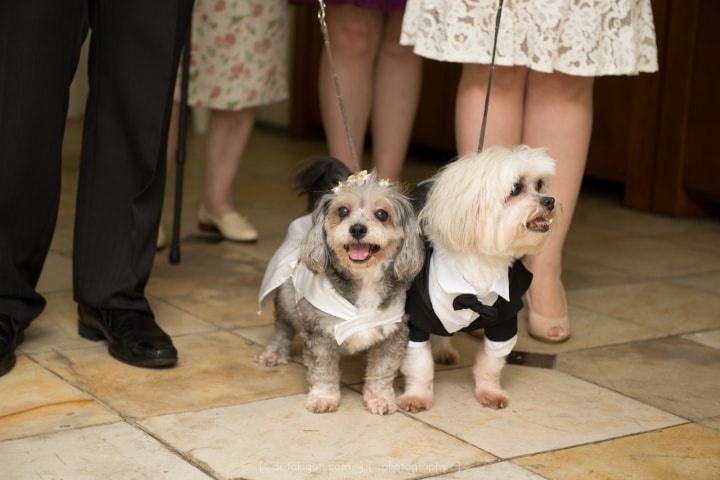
{"points": [[174, 256], [490, 77]]}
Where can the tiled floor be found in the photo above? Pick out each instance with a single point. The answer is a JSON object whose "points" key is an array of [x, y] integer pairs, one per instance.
{"points": [[635, 393]]}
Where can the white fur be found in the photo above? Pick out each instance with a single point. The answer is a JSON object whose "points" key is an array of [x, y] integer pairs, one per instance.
{"points": [[418, 370], [471, 214]]}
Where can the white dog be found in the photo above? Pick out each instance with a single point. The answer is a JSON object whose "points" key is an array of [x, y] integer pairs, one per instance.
{"points": [[482, 213]]}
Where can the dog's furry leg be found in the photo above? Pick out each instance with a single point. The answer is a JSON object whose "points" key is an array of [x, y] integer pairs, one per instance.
{"points": [[419, 370], [443, 351], [384, 361], [277, 351], [322, 359], [487, 372]]}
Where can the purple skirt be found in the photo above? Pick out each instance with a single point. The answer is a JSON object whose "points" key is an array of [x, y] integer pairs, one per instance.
{"points": [[384, 5]]}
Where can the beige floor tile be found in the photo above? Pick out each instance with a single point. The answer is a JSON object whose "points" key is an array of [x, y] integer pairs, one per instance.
{"points": [[588, 329], [661, 306], [707, 282], [679, 453], [278, 439], [56, 274], [604, 212], [703, 237], [548, 410], [646, 257], [215, 369], [353, 366], [579, 272], [581, 232], [713, 422], [673, 374], [36, 401], [116, 451], [56, 327], [495, 471], [217, 283], [710, 338]]}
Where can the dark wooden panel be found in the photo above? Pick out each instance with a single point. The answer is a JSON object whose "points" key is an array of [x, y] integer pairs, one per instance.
{"points": [[435, 124], [305, 120], [702, 161], [654, 132]]}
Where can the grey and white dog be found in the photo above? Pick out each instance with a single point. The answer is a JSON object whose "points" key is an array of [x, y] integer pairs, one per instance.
{"points": [[344, 273]]}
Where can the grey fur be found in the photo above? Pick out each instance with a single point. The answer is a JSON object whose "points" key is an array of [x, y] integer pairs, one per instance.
{"points": [[385, 345], [315, 252]]}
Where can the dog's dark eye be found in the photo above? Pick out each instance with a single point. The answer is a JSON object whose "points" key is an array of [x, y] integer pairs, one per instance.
{"points": [[539, 186], [517, 189], [381, 214], [343, 212]]}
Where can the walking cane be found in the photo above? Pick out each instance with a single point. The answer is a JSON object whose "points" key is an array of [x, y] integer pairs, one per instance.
{"points": [[181, 150]]}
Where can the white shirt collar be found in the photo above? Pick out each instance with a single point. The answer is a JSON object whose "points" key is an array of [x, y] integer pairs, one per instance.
{"points": [[452, 281]]}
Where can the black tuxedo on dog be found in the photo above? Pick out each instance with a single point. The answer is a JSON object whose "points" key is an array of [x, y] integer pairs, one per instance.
{"points": [[499, 320]]}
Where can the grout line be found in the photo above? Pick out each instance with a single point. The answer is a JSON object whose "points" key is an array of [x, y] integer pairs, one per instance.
{"points": [[130, 421], [202, 466], [595, 442]]}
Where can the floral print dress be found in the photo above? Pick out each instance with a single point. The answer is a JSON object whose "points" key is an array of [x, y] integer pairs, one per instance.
{"points": [[238, 55]]}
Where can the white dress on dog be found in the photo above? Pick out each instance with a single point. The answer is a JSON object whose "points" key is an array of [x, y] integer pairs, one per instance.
{"points": [[577, 37], [317, 289]]}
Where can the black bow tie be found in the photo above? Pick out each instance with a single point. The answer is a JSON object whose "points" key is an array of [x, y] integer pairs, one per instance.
{"points": [[468, 300]]}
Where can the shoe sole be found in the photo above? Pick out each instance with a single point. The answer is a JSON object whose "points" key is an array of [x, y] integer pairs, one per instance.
{"points": [[209, 228], [95, 335]]}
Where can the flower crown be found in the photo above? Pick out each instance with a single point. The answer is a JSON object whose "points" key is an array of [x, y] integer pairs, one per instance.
{"points": [[358, 178]]}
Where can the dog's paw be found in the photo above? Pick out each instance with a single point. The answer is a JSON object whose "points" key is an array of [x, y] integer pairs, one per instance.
{"points": [[322, 403], [271, 359], [491, 396], [446, 356], [379, 404], [415, 403]]}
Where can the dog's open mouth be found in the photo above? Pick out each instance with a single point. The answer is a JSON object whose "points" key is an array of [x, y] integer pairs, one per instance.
{"points": [[540, 224], [361, 252]]}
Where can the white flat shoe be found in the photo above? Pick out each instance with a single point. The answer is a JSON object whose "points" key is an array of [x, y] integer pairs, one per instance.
{"points": [[232, 226]]}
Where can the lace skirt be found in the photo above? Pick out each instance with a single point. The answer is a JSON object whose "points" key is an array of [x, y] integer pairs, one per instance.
{"points": [[577, 37]]}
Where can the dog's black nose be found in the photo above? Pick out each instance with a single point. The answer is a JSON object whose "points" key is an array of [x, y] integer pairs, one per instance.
{"points": [[358, 230], [548, 202]]}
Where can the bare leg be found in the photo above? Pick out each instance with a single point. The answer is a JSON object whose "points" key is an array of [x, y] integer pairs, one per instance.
{"points": [[227, 137], [487, 372], [384, 361], [397, 91], [322, 359], [443, 351], [558, 116], [355, 35], [505, 121]]}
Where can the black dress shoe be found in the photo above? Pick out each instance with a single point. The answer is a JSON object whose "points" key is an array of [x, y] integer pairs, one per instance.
{"points": [[133, 336], [10, 337]]}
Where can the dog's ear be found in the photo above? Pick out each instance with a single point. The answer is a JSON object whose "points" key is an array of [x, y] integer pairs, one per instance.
{"points": [[315, 254], [411, 256]]}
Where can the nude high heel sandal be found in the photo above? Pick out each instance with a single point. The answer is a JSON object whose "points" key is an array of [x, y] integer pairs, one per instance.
{"points": [[540, 326]]}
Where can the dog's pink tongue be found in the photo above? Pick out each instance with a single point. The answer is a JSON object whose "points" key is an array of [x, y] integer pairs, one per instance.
{"points": [[359, 251]]}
